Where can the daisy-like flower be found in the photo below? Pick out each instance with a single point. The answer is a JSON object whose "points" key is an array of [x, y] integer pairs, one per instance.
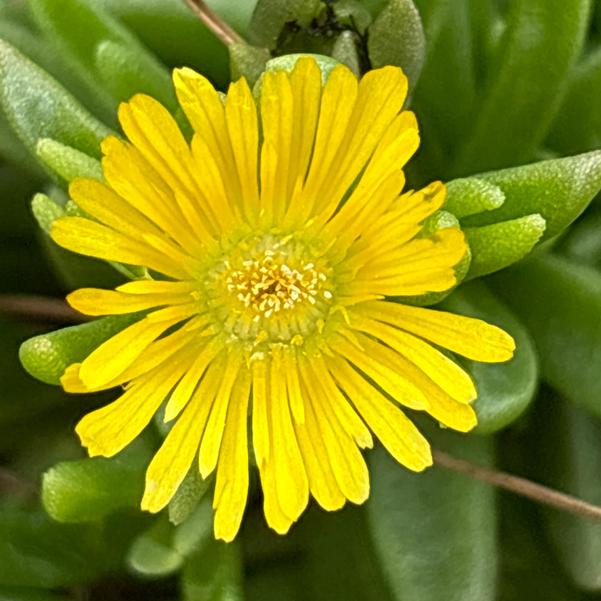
{"points": [[274, 243]]}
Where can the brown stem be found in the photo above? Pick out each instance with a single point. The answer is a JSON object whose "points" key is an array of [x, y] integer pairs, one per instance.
{"points": [[214, 22], [520, 486], [40, 308]]}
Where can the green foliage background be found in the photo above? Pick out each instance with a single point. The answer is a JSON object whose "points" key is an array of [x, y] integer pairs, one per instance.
{"points": [[496, 85]]}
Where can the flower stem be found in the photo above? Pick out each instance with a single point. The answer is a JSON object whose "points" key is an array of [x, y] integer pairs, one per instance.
{"points": [[520, 486], [38, 308], [214, 22]]}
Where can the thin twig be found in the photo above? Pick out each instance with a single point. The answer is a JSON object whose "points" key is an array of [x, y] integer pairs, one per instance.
{"points": [[520, 486], [214, 22], [38, 308]]}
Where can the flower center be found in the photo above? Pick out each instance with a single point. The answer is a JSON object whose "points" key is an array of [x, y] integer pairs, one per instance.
{"points": [[270, 289], [268, 285]]}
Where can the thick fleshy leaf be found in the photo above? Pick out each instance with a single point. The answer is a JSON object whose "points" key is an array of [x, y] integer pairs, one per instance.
{"points": [[560, 301], [577, 126], [270, 17], [505, 390], [172, 31], [541, 43], [435, 532], [99, 45], [89, 489], [187, 497], [38, 107], [498, 245], [582, 242], [571, 463], [67, 162], [45, 210], [247, 61], [558, 189], [214, 573], [470, 196], [152, 553], [125, 71], [396, 37], [38, 552], [47, 356], [19, 593]]}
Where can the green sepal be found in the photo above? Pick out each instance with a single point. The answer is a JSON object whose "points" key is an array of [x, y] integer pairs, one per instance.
{"points": [[90, 489], [47, 356], [505, 390], [38, 107], [396, 37], [124, 72], [270, 17], [286, 62], [558, 189], [571, 463], [187, 497], [67, 162], [498, 245], [470, 196], [561, 303], [247, 61], [45, 210], [435, 532], [80, 30]]}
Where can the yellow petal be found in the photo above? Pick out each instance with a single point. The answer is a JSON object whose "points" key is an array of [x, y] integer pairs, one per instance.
{"points": [[442, 370], [211, 439], [396, 432], [115, 355], [108, 430], [173, 460], [472, 338], [231, 486]]}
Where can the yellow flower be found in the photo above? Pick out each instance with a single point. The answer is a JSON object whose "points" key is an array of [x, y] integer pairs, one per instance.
{"points": [[272, 242]]}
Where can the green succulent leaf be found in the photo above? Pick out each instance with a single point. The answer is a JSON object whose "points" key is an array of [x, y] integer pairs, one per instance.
{"points": [[396, 37], [38, 552], [505, 390], [571, 463], [45, 210], [214, 574], [539, 47], [270, 17], [435, 532], [561, 303], [67, 162], [247, 61], [498, 245], [19, 593], [577, 126], [90, 489], [345, 51], [559, 190], [47, 356], [582, 242], [123, 72], [151, 554], [470, 196], [187, 497], [99, 45], [38, 107]]}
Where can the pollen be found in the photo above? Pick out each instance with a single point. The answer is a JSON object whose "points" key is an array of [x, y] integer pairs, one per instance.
{"points": [[268, 285]]}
